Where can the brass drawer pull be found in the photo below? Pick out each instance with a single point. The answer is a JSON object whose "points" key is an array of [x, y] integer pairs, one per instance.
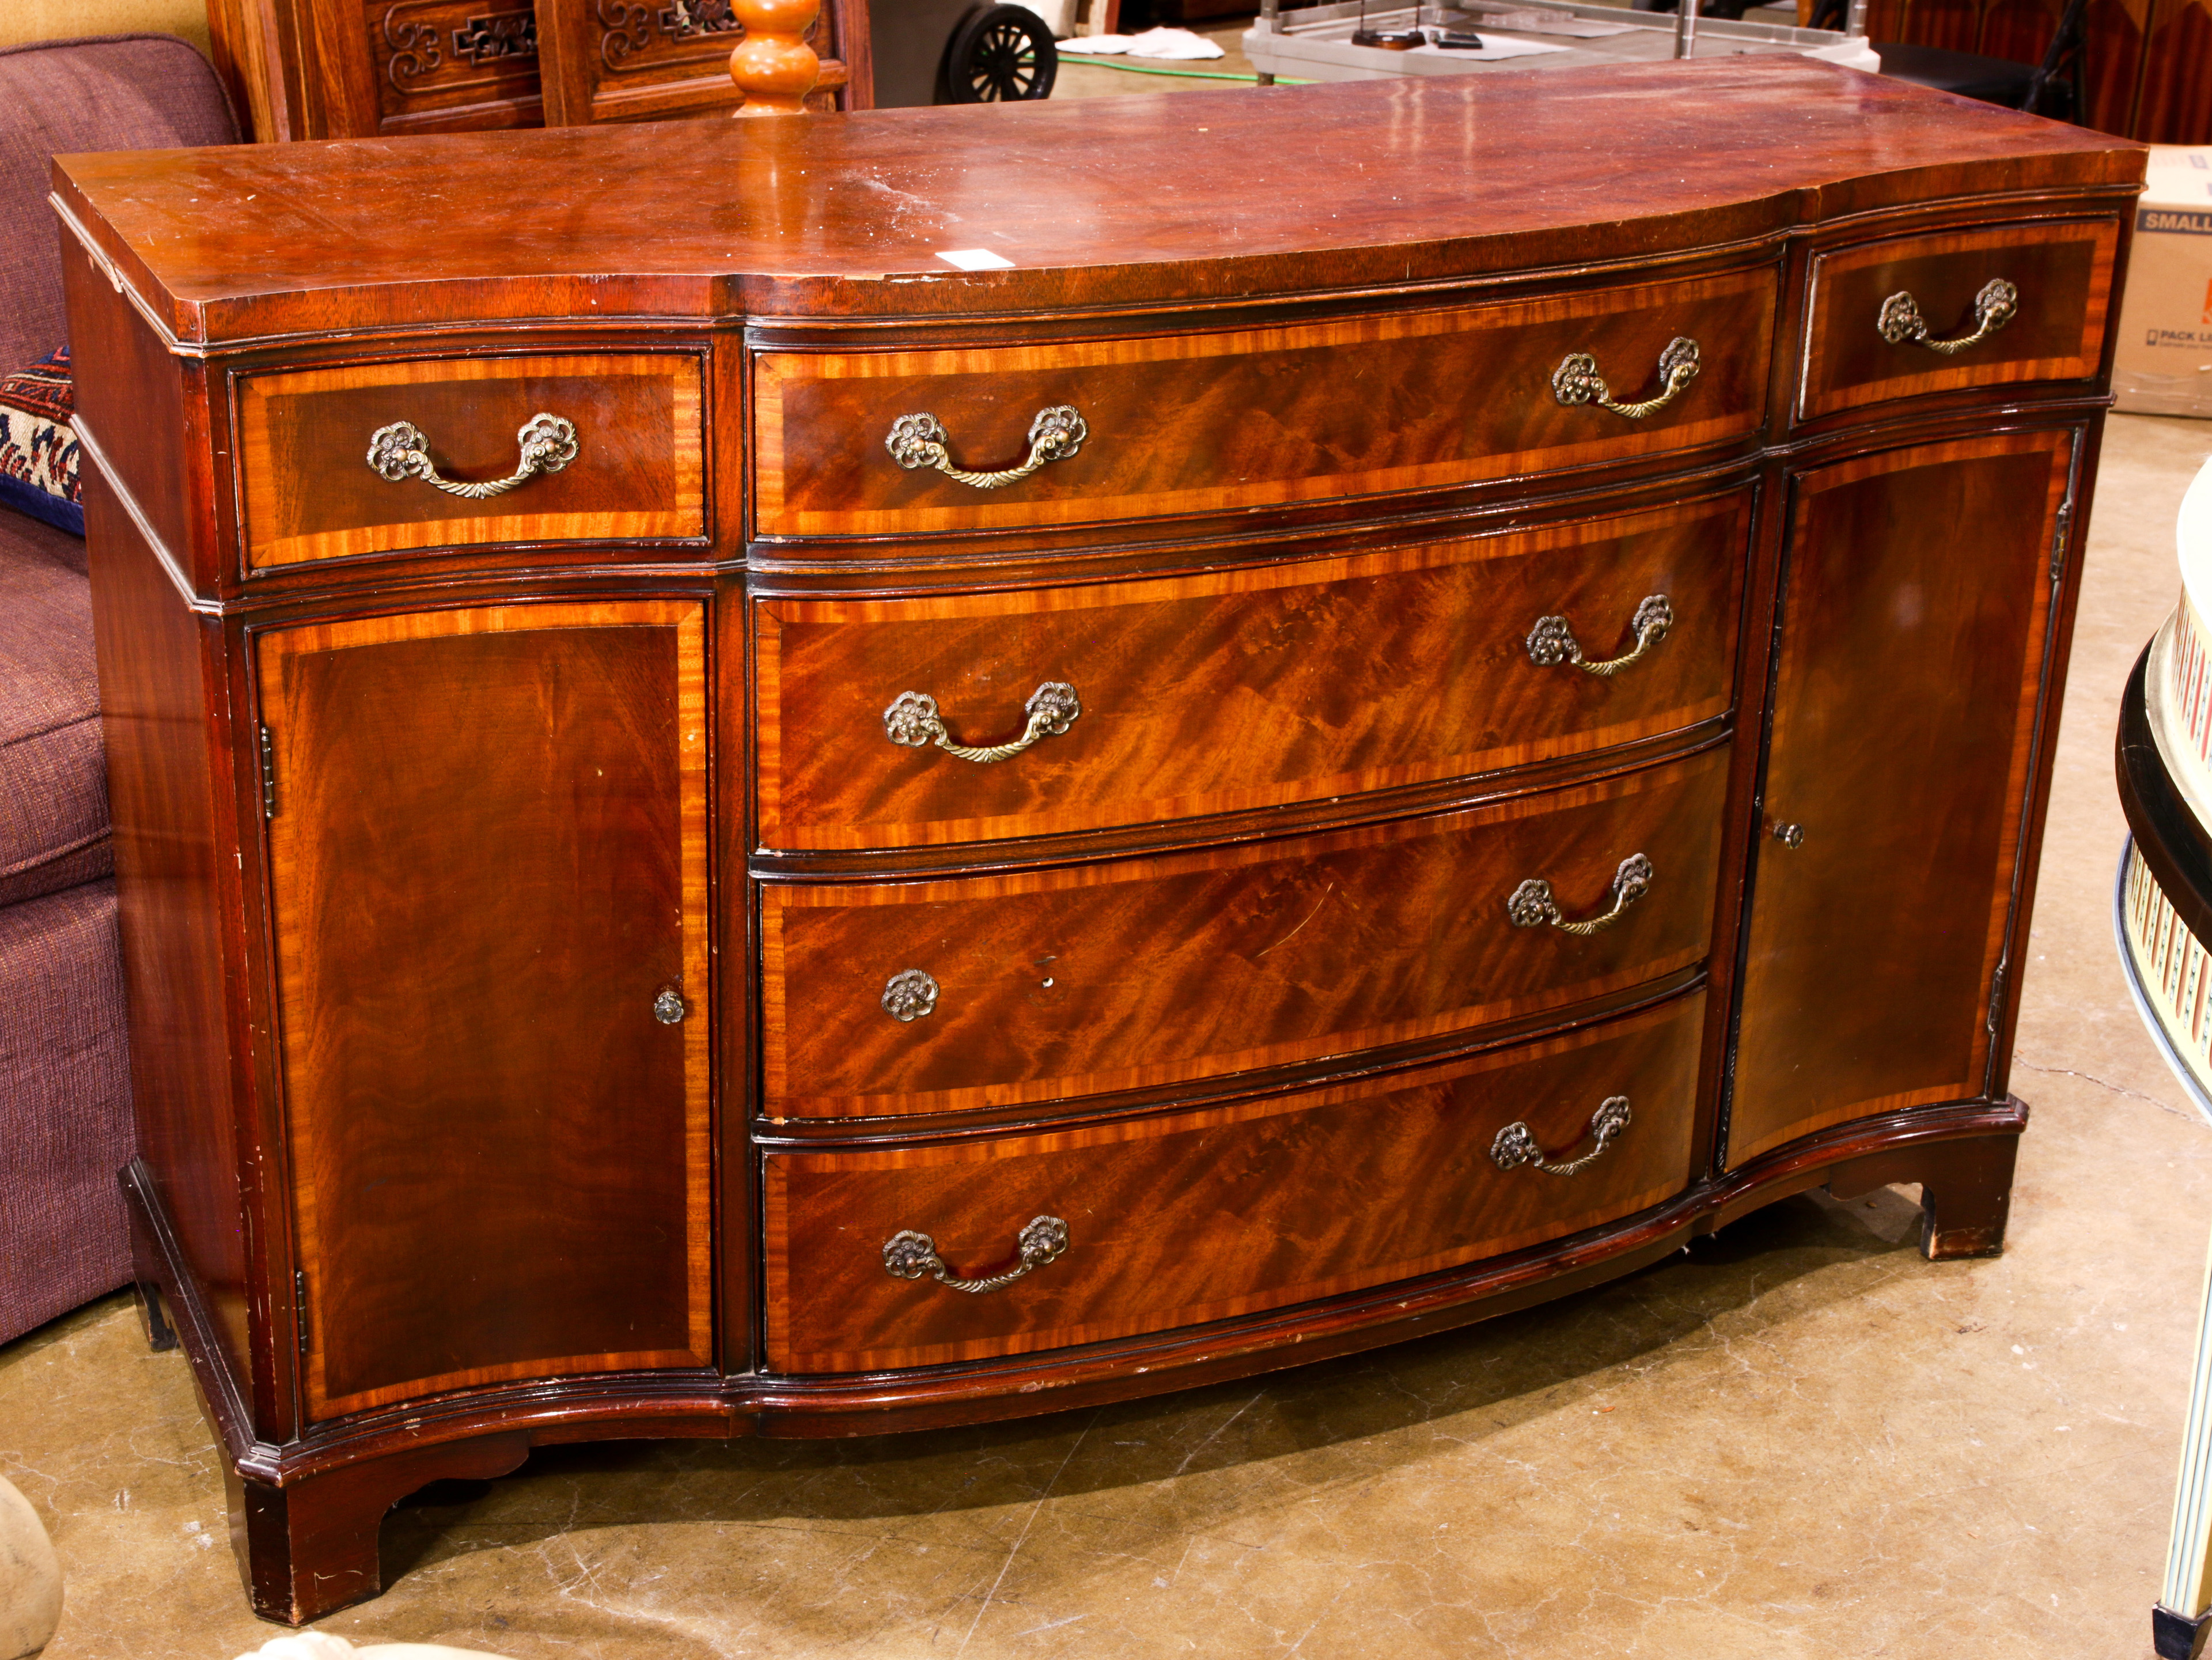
{"points": [[1516, 1145], [1551, 641], [1577, 382], [669, 1008], [1901, 323], [1791, 835], [908, 1255], [912, 720], [909, 996], [1532, 904], [400, 451], [918, 440]]}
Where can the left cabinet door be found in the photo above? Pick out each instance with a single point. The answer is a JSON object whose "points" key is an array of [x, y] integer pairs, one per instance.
{"points": [[489, 900]]}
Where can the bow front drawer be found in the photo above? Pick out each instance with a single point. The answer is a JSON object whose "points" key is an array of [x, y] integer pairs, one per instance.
{"points": [[905, 443], [1911, 315], [903, 722], [379, 458], [1005, 1245], [883, 998]]}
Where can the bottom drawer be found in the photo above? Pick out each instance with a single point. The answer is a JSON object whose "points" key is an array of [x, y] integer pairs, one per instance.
{"points": [[1208, 1214]]}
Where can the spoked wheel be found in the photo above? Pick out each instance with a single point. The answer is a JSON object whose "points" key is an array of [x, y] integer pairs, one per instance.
{"points": [[1001, 55]]}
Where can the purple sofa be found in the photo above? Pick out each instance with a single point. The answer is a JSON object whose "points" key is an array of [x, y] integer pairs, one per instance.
{"points": [[64, 1072]]}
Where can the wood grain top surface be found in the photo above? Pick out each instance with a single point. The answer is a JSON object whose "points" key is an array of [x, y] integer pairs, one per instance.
{"points": [[1102, 203]]}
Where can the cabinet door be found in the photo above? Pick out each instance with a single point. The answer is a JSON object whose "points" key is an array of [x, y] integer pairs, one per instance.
{"points": [[488, 864], [1916, 605]]}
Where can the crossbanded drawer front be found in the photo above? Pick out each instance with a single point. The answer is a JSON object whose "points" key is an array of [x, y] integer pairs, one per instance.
{"points": [[1907, 316], [1173, 1220], [1241, 688], [1083, 432], [339, 462], [886, 998]]}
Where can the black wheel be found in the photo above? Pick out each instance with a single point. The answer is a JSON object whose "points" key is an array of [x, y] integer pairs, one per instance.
{"points": [[998, 55]]}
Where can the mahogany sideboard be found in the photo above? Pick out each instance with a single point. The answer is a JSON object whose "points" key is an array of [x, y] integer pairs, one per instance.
{"points": [[726, 828]]}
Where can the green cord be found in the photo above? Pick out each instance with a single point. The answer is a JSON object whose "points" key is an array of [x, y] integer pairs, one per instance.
{"points": [[1113, 62]]}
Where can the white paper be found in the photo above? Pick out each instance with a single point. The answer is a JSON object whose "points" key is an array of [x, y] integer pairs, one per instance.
{"points": [[1164, 43], [974, 259]]}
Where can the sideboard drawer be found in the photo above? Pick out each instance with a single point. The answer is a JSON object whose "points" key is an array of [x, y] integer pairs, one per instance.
{"points": [[1174, 1220], [900, 997], [1911, 315], [1242, 688], [1189, 423], [620, 456]]}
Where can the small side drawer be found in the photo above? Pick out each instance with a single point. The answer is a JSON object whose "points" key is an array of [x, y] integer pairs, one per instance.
{"points": [[886, 997], [1230, 692], [1171, 1221], [308, 489], [2059, 273], [1196, 421]]}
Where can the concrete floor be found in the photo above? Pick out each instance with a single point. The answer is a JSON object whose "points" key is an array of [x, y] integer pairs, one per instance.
{"points": [[1799, 1440]]}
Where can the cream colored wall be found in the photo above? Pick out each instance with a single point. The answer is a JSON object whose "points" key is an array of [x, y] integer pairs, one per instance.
{"points": [[64, 20]]}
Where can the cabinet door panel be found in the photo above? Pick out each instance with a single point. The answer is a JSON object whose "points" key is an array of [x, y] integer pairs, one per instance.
{"points": [[488, 857], [1915, 608]]}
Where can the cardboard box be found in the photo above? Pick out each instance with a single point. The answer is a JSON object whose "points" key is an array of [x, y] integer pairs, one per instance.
{"points": [[2164, 363]]}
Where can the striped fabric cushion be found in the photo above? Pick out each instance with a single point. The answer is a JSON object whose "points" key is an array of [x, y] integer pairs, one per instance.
{"points": [[38, 444]]}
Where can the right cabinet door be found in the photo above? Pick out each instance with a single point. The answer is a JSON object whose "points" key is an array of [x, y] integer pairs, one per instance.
{"points": [[1916, 607]]}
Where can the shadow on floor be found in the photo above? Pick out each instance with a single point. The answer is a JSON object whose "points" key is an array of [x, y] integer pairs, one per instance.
{"points": [[1374, 1411]]}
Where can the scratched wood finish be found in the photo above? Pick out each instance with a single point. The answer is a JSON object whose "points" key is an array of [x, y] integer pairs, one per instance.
{"points": [[309, 493], [1229, 691], [1868, 978], [2064, 271], [1194, 421], [1136, 972], [500, 1158], [771, 220], [1206, 1215]]}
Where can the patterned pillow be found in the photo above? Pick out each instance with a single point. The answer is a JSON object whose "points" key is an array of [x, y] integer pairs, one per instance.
{"points": [[38, 445]]}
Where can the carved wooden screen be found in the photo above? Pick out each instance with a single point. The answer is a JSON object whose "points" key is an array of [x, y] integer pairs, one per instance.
{"points": [[363, 68], [647, 60]]}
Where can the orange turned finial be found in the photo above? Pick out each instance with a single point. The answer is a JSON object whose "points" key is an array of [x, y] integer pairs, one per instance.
{"points": [[774, 66]]}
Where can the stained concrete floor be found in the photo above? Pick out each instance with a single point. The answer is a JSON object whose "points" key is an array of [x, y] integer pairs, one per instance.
{"points": [[1798, 1440]]}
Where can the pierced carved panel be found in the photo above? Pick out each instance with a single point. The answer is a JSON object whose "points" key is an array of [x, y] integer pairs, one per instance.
{"points": [[648, 36], [434, 53]]}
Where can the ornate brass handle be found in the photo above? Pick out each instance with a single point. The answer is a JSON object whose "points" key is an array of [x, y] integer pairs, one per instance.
{"points": [[909, 996], [1901, 323], [400, 451], [1532, 905], [1791, 835], [913, 720], [1577, 382], [669, 1008], [1551, 641], [918, 440], [1516, 1145], [908, 1255]]}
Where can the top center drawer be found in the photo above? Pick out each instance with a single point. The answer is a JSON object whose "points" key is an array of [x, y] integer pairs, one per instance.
{"points": [[1066, 432]]}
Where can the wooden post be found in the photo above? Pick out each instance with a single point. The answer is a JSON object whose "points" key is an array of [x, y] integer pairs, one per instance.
{"points": [[773, 65]]}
